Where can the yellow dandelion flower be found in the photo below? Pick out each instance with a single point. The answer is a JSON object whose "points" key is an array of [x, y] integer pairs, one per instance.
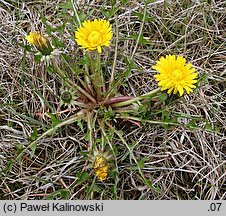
{"points": [[93, 35], [101, 168], [175, 75], [40, 42]]}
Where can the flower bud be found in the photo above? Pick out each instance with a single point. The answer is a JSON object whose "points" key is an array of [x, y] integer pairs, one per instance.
{"points": [[40, 42]]}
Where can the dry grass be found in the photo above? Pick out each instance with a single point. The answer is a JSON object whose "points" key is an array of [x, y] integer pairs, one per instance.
{"points": [[182, 163]]}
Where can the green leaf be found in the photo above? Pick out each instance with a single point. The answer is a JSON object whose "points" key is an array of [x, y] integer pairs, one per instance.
{"points": [[202, 79], [124, 156], [126, 74], [87, 136], [82, 177], [63, 193], [50, 69], [142, 40], [109, 13], [149, 1], [141, 162], [192, 123], [166, 118], [79, 123], [34, 134], [113, 173], [141, 16], [66, 5], [19, 148], [57, 43], [165, 115], [50, 29], [83, 16], [209, 127], [148, 183], [95, 188], [123, 2], [8, 166], [33, 147], [183, 115], [37, 57], [54, 120], [163, 97]]}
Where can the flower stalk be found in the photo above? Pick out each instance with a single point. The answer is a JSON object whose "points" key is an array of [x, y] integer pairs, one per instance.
{"points": [[97, 80], [136, 99]]}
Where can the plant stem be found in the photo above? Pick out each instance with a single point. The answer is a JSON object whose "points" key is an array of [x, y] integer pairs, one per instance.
{"points": [[97, 79], [102, 127], [89, 124], [117, 99], [96, 75], [130, 101], [115, 56]]}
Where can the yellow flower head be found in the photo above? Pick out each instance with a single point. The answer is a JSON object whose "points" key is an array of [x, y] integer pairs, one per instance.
{"points": [[101, 168], [93, 35], [175, 75], [40, 42]]}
